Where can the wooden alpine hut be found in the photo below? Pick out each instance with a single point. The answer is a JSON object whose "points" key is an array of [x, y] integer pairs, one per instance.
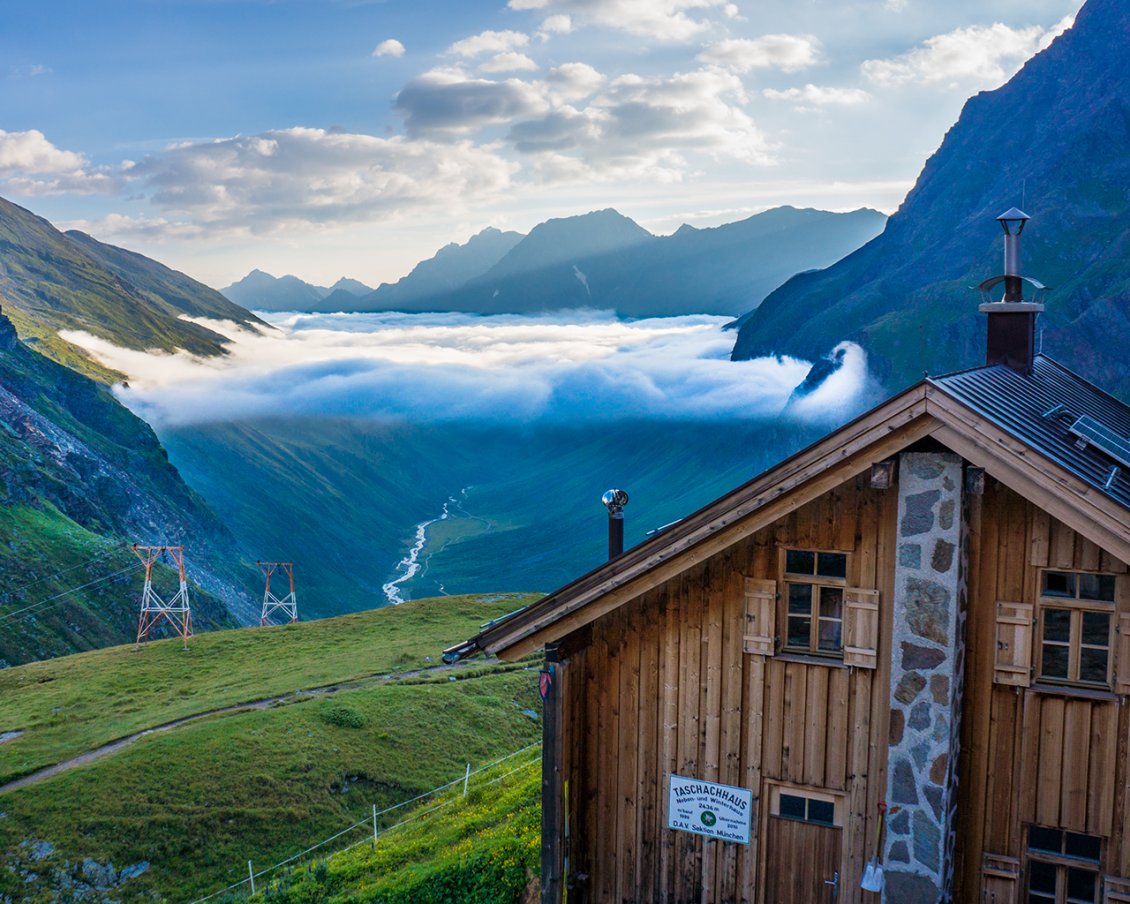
{"points": [[905, 648]]}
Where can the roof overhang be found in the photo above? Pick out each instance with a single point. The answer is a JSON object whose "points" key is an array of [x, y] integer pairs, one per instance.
{"points": [[924, 410]]}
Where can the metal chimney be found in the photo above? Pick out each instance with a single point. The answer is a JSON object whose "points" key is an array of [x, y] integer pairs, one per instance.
{"points": [[1011, 338], [614, 501]]}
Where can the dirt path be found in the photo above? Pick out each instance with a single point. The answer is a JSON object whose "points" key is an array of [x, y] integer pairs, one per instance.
{"points": [[297, 696]]}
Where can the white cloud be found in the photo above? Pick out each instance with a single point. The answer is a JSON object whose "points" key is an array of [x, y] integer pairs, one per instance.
{"points": [[489, 42], [121, 226], [290, 177], [559, 24], [819, 96], [788, 53], [30, 152], [389, 47], [30, 71], [665, 20], [643, 128], [447, 102], [509, 62], [581, 366], [700, 110], [983, 55], [571, 82], [31, 165]]}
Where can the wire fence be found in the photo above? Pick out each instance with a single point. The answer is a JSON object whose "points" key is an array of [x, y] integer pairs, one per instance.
{"points": [[371, 819]]}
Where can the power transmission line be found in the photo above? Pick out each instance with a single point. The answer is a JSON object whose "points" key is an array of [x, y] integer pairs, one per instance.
{"points": [[35, 607], [58, 574]]}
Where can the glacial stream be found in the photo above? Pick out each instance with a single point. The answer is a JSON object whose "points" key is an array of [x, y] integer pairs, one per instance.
{"points": [[408, 567]]}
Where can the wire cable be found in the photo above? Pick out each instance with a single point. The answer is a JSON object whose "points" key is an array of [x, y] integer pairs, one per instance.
{"points": [[34, 607], [58, 574]]}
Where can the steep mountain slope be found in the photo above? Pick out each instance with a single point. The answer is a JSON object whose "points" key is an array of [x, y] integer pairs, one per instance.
{"points": [[605, 260], [50, 282], [344, 498], [1053, 141], [81, 478]]}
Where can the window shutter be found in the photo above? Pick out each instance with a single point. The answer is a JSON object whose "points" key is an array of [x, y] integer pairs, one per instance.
{"points": [[1122, 685], [1013, 663], [760, 616], [1000, 879], [861, 627], [1116, 890]]}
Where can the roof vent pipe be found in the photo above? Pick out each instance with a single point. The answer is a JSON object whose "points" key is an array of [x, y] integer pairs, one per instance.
{"points": [[614, 501], [1011, 336]]}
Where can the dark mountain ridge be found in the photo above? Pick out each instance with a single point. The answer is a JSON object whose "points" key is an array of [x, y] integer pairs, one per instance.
{"points": [[1052, 140], [605, 260]]}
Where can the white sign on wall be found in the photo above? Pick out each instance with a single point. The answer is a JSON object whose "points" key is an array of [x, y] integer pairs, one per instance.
{"points": [[710, 809]]}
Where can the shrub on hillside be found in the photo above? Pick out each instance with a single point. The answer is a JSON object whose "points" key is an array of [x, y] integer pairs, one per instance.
{"points": [[343, 716]]}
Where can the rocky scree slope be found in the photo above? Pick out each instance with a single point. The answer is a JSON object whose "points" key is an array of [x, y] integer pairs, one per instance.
{"points": [[81, 478]]}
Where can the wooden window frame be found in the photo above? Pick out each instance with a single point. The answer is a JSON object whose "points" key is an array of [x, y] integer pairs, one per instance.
{"points": [[817, 583], [835, 798], [1063, 862], [1077, 607]]}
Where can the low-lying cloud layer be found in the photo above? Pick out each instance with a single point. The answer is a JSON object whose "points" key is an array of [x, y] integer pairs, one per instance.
{"points": [[583, 366]]}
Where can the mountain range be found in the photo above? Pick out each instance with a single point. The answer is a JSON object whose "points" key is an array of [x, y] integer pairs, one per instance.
{"points": [[52, 281], [599, 260], [1052, 141], [265, 292]]}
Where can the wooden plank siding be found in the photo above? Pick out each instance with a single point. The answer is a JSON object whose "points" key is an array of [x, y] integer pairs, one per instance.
{"points": [[665, 687], [1038, 754]]}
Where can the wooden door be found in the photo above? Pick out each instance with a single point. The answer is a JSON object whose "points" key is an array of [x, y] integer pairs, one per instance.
{"points": [[802, 862]]}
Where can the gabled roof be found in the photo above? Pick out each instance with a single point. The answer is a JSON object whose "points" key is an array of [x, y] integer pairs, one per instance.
{"points": [[1040, 409], [991, 416]]}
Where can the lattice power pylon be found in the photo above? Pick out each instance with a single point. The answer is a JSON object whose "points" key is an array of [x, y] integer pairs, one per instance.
{"points": [[288, 605], [176, 611]]}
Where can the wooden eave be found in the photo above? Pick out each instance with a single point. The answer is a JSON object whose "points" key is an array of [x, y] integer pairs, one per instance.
{"points": [[925, 409]]}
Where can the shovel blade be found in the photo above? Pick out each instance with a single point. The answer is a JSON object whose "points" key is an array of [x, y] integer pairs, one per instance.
{"points": [[872, 877]]}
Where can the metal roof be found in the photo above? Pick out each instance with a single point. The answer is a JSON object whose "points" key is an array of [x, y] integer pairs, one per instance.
{"points": [[1025, 406]]}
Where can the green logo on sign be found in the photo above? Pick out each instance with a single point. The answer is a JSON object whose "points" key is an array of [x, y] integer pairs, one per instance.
{"points": [[708, 818]]}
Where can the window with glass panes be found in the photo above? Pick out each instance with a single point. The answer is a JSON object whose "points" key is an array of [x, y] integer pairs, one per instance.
{"points": [[1063, 867], [814, 601], [1076, 623]]}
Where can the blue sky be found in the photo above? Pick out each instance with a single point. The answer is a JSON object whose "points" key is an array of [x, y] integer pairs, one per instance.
{"points": [[352, 137]]}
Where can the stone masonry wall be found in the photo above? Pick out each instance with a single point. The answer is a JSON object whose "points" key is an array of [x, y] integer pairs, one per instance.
{"points": [[926, 672]]}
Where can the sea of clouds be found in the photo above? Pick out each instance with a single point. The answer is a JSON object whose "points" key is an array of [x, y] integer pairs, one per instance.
{"points": [[569, 367]]}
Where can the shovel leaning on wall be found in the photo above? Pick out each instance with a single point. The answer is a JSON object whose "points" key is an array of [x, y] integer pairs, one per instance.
{"points": [[873, 872]]}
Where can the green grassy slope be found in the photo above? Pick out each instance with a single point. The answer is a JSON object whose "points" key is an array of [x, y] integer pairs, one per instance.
{"points": [[188, 807], [483, 849]]}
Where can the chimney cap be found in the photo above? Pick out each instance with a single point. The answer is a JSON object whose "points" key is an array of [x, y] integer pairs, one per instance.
{"points": [[1013, 216], [614, 500]]}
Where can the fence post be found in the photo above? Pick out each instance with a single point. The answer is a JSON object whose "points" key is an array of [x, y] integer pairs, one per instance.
{"points": [[374, 827], [251, 875], [466, 779]]}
